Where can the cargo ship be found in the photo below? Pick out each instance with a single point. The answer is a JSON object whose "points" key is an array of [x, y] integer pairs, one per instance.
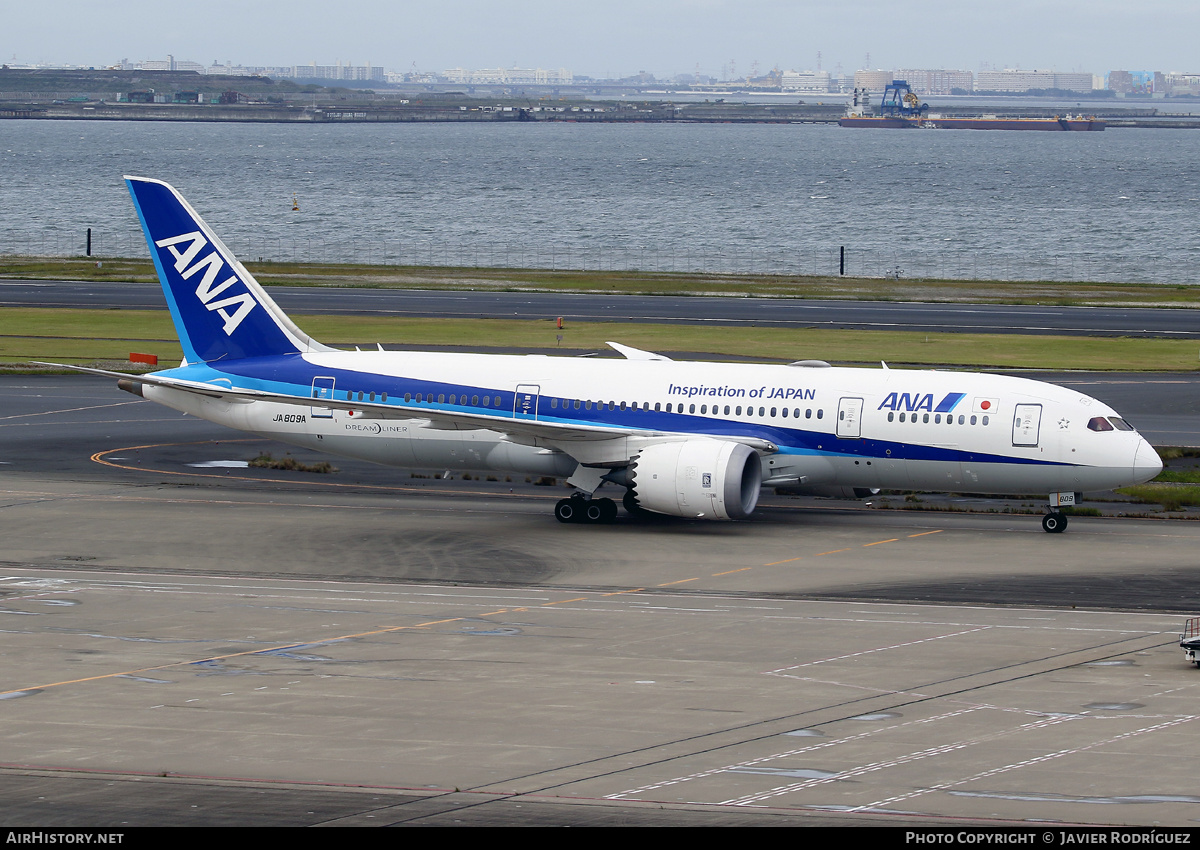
{"points": [[900, 109]]}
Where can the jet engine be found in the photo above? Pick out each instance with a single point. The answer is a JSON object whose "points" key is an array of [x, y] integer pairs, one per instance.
{"points": [[701, 479]]}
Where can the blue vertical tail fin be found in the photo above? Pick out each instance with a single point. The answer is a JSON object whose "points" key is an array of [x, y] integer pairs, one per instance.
{"points": [[220, 311]]}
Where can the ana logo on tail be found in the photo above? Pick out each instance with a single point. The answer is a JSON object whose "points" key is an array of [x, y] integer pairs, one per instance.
{"points": [[205, 291]]}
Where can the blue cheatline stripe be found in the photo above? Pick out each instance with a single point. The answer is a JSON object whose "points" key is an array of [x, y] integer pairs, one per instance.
{"points": [[292, 375]]}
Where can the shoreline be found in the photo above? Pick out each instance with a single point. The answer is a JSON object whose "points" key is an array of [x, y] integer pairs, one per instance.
{"points": [[594, 112]]}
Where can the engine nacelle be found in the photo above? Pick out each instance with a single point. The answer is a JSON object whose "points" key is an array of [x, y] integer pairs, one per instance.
{"points": [[701, 479]]}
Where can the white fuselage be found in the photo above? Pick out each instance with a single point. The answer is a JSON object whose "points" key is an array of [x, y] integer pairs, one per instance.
{"points": [[852, 427]]}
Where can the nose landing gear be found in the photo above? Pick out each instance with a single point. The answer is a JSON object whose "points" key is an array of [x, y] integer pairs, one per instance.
{"points": [[1054, 522]]}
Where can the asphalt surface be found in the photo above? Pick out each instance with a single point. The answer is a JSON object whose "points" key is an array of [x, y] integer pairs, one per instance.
{"points": [[1083, 321], [191, 644]]}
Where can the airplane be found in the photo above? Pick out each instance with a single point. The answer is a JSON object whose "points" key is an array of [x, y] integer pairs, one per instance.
{"points": [[684, 439]]}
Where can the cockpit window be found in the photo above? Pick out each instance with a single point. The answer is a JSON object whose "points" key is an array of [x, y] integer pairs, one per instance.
{"points": [[1099, 423], [1120, 424]]}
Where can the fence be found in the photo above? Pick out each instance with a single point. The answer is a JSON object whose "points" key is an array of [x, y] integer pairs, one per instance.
{"points": [[872, 262]]}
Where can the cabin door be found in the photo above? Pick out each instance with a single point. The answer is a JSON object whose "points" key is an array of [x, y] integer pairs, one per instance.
{"points": [[322, 388], [849, 421], [525, 401], [1027, 423]]}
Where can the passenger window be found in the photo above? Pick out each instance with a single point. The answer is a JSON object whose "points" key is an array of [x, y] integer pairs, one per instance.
{"points": [[486, 399], [691, 408], [972, 419], [474, 401], [985, 420], [656, 406], [808, 413], [441, 398], [408, 397], [704, 408], [820, 413], [785, 413], [924, 417], [772, 411], [891, 416], [937, 419]]}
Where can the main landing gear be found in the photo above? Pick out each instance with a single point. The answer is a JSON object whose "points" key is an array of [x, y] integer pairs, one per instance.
{"points": [[591, 511]]}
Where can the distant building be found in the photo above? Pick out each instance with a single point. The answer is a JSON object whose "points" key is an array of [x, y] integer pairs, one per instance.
{"points": [[815, 82], [1013, 80], [1120, 81], [356, 73], [1080, 82], [1175, 83], [510, 76], [231, 70], [939, 81], [1132, 82], [873, 81]]}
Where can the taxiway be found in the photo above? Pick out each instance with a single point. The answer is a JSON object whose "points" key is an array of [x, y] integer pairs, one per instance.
{"points": [[210, 644]]}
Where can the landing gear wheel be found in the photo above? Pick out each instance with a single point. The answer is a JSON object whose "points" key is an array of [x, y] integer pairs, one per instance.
{"points": [[1054, 523], [567, 510], [608, 510]]}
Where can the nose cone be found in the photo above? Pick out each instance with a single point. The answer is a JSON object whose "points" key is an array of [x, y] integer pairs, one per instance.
{"points": [[1146, 462]]}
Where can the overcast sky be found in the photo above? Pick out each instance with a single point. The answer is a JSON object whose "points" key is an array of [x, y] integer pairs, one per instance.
{"points": [[617, 37]]}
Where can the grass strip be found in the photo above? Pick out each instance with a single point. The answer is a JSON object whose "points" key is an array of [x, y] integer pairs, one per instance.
{"points": [[78, 336]]}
